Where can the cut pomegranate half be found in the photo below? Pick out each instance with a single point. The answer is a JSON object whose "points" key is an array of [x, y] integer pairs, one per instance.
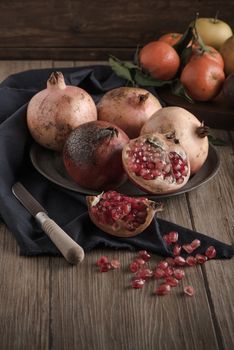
{"points": [[120, 215], [156, 164]]}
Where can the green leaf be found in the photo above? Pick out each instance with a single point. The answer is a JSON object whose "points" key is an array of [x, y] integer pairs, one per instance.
{"points": [[216, 141], [183, 42], [179, 90], [185, 55], [143, 79], [120, 69]]}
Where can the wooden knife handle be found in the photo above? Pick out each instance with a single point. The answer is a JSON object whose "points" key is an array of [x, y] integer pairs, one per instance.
{"points": [[71, 251]]}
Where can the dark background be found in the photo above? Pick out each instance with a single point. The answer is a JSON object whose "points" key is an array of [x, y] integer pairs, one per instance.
{"points": [[91, 30]]}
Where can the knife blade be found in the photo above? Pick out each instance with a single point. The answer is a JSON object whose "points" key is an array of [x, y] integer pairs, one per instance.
{"points": [[71, 251]]}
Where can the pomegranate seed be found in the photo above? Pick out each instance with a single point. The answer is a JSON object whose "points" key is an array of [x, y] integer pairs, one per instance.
{"points": [[179, 274], [166, 239], [179, 260], [140, 261], [195, 243], [134, 267], [159, 273], [137, 283], [144, 274], [163, 289], [163, 264], [172, 281], [188, 248], [210, 252], [102, 260], [144, 255], [105, 267], [176, 250], [115, 264], [189, 290], [173, 236], [201, 259], [191, 261], [170, 261], [169, 271]]}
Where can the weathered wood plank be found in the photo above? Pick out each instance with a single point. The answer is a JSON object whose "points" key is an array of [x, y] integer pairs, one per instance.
{"points": [[24, 287], [212, 207], [49, 31]]}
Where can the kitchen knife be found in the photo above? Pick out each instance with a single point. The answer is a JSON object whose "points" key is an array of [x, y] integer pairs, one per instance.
{"points": [[71, 251]]}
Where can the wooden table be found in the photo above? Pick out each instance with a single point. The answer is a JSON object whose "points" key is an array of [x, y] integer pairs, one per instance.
{"points": [[47, 304]]}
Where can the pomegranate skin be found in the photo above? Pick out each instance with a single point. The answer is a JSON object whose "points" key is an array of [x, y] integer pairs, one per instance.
{"points": [[121, 217], [54, 112], [155, 164], [92, 155], [190, 132], [128, 108]]}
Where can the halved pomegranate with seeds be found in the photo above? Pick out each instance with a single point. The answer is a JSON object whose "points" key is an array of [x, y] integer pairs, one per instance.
{"points": [[120, 215], [156, 163]]}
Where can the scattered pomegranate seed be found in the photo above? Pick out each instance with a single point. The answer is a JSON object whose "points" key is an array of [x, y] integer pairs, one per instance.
{"points": [[163, 289], [163, 264], [201, 259], [166, 239], [169, 271], [191, 261], [144, 255], [195, 243], [172, 281], [210, 252], [188, 248], [179, 260], [189, 290], [102, 260], [140, 261], [115, 264], [144, 274], [170, 261], [176, 250], [137, 283], [173, 236], [105, 267], [179, 274], [134, 266], [159, 273]]}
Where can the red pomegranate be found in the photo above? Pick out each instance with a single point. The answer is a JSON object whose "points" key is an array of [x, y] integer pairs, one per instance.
{"points": [[156, 164], [92, 155], [121, 215], [54, 112], [128, 108], [190, 132]]}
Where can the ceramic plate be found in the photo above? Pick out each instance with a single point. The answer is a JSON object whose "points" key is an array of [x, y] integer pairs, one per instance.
{"points": [[50, 165]]}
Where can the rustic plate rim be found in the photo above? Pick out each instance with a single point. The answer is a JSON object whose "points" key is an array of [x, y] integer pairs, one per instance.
{"points": [[39, 151]]}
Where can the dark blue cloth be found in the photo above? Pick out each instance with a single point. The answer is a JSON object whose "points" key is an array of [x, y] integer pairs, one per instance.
{"points": [[67, 208]]}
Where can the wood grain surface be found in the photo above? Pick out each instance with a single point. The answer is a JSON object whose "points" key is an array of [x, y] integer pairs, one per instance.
{"points": [[69, 29], [47, 304]]}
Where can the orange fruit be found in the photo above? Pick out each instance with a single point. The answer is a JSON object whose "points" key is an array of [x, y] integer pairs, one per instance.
{"points": [[212, 54], [202, 79], [160, 60], [171, 38]]}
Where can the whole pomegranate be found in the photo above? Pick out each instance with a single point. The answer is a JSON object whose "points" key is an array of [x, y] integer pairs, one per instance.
{"points": [[92, 155], [190, 132], [121, 215], [156, 164], [128, 108], [54, 112]]}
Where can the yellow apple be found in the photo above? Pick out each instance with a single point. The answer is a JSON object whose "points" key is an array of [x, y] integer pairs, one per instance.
{"points": [[227, 51], [213, 31]]}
